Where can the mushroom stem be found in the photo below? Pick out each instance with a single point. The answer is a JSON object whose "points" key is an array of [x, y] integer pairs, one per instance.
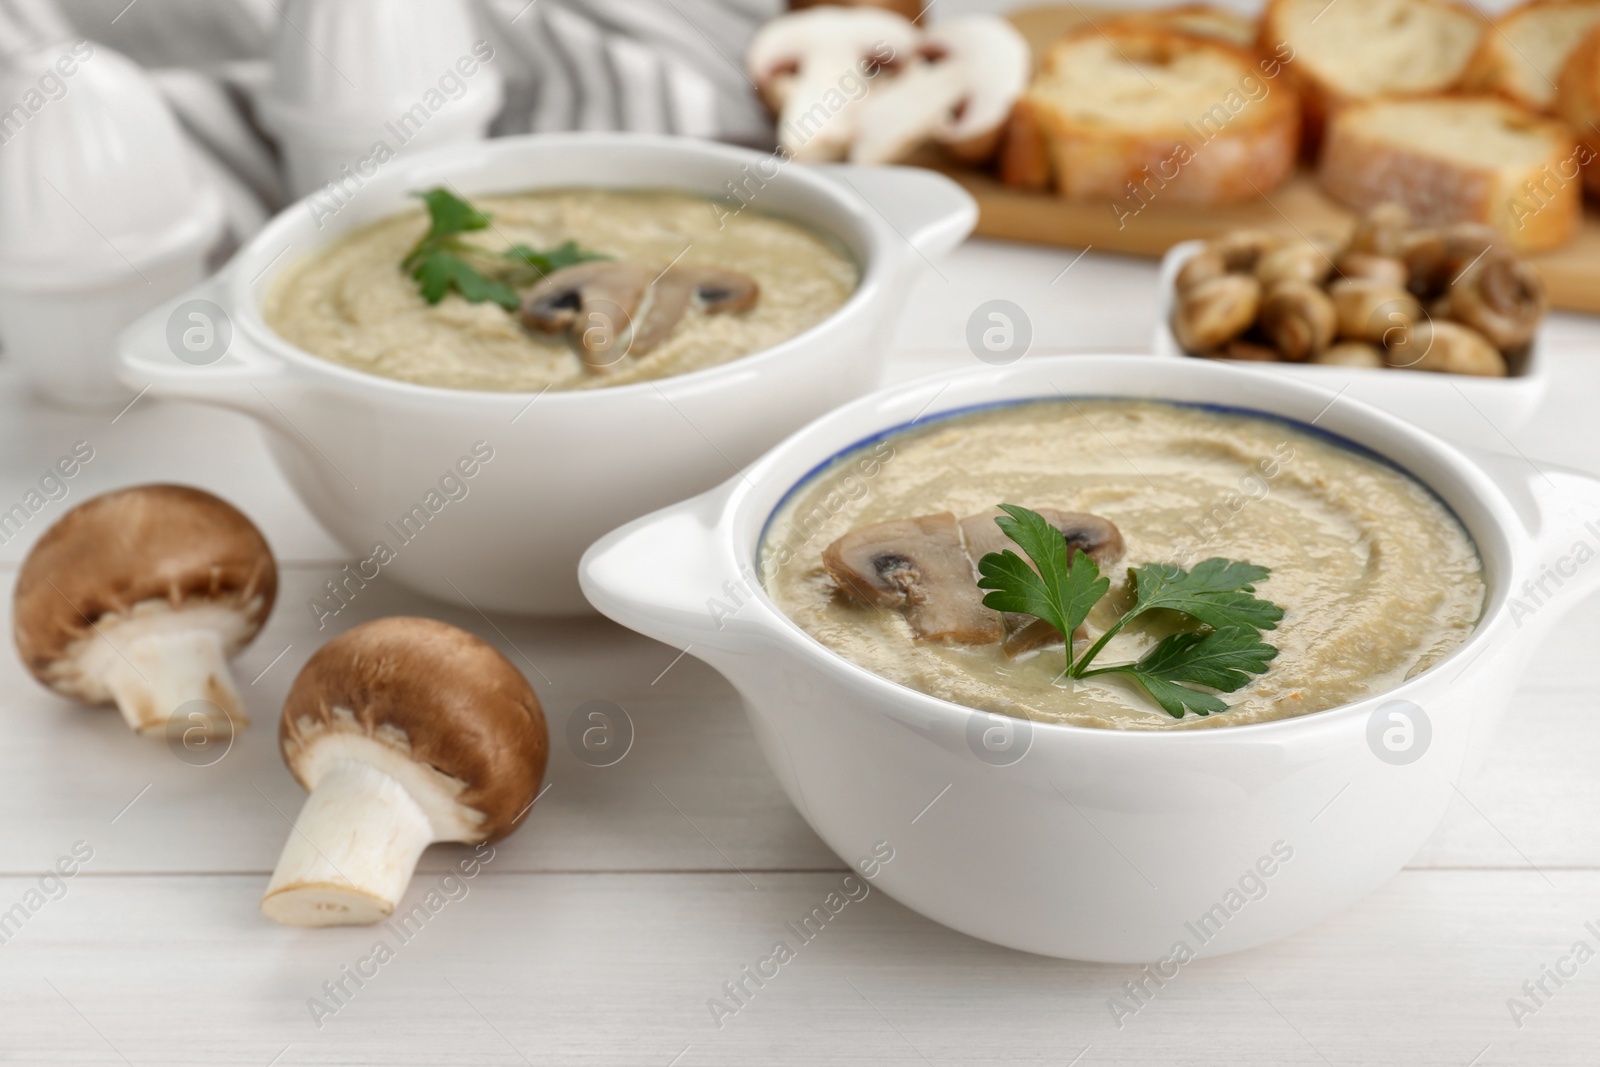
{"points": [[351, 854], [153, 676]]}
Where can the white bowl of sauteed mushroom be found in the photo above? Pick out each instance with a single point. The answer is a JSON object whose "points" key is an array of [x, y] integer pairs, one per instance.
{"points": [[472, 362], [1439, 325]]}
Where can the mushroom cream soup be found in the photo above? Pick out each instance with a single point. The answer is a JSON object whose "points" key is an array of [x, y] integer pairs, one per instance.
{"points": [[354, 304], [1376, 578]]}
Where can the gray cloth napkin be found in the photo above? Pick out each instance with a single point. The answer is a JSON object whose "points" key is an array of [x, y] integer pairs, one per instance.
{"points": [[652, 66]]}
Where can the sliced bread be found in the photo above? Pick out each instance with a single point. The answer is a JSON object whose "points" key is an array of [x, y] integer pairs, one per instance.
{"points": [[1578, 101], [1196, 20], [1137, 113], [1522, 54], [1457, 159], [1344, 51]]}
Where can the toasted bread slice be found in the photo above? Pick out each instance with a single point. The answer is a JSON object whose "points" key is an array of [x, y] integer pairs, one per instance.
{"points": [[1196, 20], [1458, 159], [1352, 50], [1578, 102], [1522, 54], [1133, 113]]}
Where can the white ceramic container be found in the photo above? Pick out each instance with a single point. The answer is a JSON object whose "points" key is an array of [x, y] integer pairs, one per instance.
{"points": [[1101, 844], [363, 451], [102, 215], [351, 75], [1463, 408]]}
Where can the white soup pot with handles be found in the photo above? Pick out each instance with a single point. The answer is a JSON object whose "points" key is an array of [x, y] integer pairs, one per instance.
{"points": [[489, 498], [1099, 844]]}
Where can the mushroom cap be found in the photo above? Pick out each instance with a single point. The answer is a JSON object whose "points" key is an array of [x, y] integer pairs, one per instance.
{"points": [[171, 543], [432, 694], [783, 48]]}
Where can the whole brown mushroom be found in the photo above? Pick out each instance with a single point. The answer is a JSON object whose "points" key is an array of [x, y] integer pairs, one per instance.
{"points": [[139, 597], [405, 731]]}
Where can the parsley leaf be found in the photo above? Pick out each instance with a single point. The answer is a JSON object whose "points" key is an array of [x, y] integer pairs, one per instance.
{"points": [[566, 254], [1059, 595], [1223, 659], [437, 271], [1217, 593], [450, 215], [440, 261]]}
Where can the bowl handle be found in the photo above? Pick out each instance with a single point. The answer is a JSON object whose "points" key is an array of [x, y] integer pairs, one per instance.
{"points": [[929, 211], [147, 354], [1560, 509], [668, 577]]}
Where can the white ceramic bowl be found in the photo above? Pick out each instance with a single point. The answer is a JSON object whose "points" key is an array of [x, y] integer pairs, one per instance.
{"points": [[363, 451], [1460, 407], [1102, 844]]}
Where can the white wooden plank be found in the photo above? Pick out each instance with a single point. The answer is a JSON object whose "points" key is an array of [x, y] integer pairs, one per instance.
{"points": [[618, 969]]}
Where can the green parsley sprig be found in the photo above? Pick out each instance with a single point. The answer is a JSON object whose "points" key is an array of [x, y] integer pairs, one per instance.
{"points": [[442, 261], [1217, 594]]}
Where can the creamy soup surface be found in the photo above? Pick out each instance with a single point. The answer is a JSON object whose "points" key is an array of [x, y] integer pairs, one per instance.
{"points": [[1377, 579], [353, 304]]}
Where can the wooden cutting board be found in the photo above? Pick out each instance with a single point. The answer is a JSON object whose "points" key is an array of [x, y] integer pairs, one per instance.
{"points": [[1572, 272]]}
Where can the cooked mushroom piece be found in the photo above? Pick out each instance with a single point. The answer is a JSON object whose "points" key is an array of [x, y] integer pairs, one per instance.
{"points": [[1373, 311], [805, 62], [1434, 258], [1350, 354], [712, 289], [1374, 267], [1298, 318], [1241, 249], [920, 567], [1382, 230], [1502, 297], [405, 731], [1215, 312], [1083, 532], [1246, 352], [1203, 266], [1299, 261], [596, 301], [140, 597], [1450, 348]]}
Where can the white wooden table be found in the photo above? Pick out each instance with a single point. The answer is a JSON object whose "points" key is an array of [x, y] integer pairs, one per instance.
{"points": [[599, 932]]}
